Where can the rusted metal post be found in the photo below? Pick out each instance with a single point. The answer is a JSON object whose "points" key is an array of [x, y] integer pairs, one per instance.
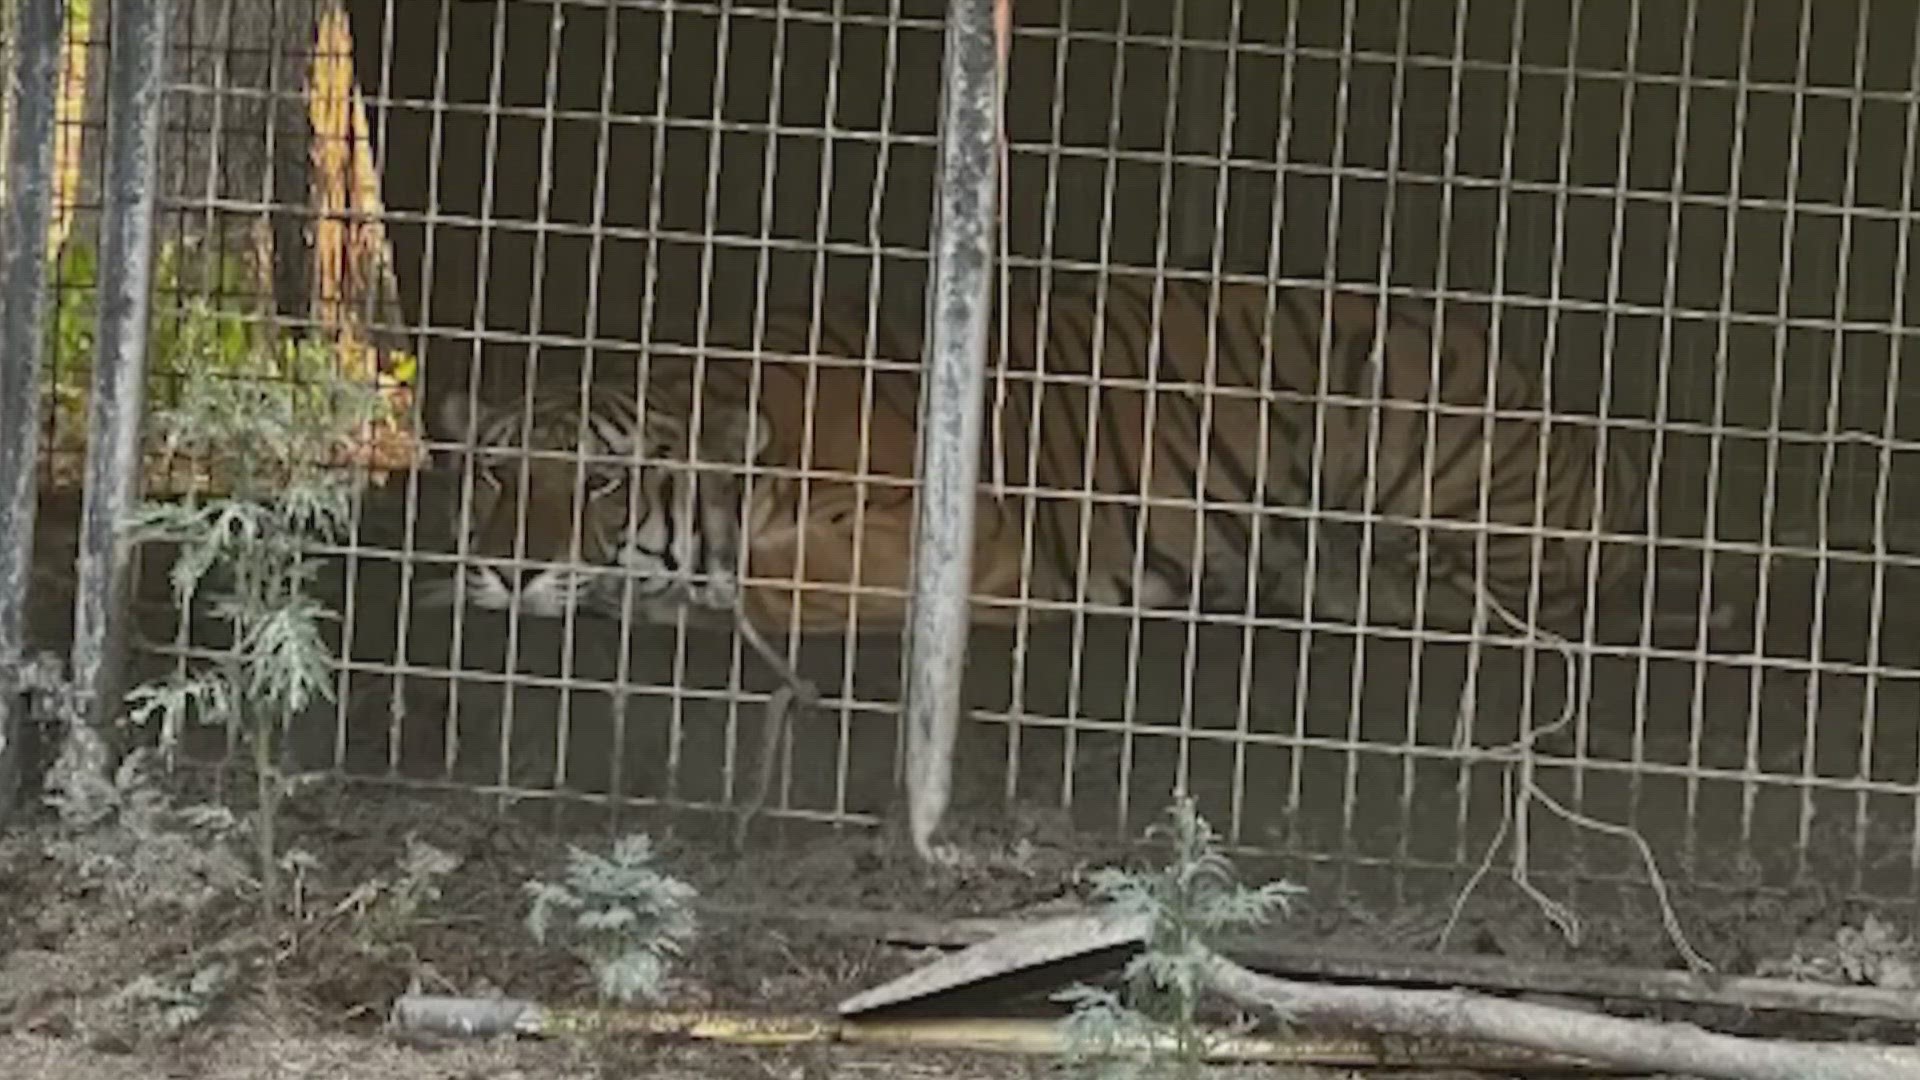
{"points": [[33, 83], [135, 88], [954, 377]]}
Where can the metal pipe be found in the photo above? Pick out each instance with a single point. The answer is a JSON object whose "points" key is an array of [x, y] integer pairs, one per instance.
{"points": [[34, 82], [135, 86], [955, 376]]}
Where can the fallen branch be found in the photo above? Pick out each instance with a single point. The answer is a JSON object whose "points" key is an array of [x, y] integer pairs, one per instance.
{"points": [[1320, 960], [1631, 1044], [487, 1018]]}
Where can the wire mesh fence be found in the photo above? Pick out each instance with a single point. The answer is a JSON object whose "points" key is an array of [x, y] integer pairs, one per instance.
{"points": [[1338, 346]]}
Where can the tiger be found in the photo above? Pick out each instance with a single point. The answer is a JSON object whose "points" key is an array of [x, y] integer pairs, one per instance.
{"points": [[1156, 445]]}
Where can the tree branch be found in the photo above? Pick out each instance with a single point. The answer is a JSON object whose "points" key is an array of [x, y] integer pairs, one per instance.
{"points": [[1633, 1044]]}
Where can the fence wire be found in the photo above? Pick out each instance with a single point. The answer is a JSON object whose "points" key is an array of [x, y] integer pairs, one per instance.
{"points": [[1684, 227]]}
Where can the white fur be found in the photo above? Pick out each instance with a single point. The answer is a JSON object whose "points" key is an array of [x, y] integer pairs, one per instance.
{"points": [[548, 595]]}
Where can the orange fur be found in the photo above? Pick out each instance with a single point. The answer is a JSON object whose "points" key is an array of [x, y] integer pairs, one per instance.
{"points": [[1235, 382]]}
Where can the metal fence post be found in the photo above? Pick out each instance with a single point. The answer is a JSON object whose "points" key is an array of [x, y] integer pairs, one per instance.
{"points": [[135, 86], [954, 378], [34, 81]]}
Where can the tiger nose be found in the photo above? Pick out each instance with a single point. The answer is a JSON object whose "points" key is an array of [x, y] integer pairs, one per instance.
{"points": [[523, 577]]}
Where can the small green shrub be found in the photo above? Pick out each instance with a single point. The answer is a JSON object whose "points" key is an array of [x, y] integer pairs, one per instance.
{"points": [[157, 1008], [266, 443], [1154, 1028], [384, 909], [625, 919]]}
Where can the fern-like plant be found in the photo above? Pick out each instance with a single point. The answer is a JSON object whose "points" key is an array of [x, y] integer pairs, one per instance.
{"points": [[266, 444], [627, 920], [159, 1007], [1154, 1028]]}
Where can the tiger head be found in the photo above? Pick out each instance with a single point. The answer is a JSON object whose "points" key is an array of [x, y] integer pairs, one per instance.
{"points": [[645, 517]]}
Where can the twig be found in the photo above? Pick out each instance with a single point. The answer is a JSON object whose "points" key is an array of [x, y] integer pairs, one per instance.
{"points": [[1632, 1044], [1521, 792], [1668, 917], [1481, 871], [795, 694]]}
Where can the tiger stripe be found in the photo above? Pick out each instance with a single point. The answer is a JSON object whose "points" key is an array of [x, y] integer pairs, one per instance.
{"points": [[1183, 434]]}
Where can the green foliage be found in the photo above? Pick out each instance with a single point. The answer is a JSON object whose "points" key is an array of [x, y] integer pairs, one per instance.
{"points": [[267, 444], [163, 1008], [384, 909], [220, 335], [217, 332], [205, 322], [1155, 1027], [1106, 1038], [73, 323], [624, 918]]}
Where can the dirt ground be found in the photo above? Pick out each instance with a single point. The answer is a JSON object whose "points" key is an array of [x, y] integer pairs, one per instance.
{"points": [[314, 987], [309, 1057], [308, 993]]}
